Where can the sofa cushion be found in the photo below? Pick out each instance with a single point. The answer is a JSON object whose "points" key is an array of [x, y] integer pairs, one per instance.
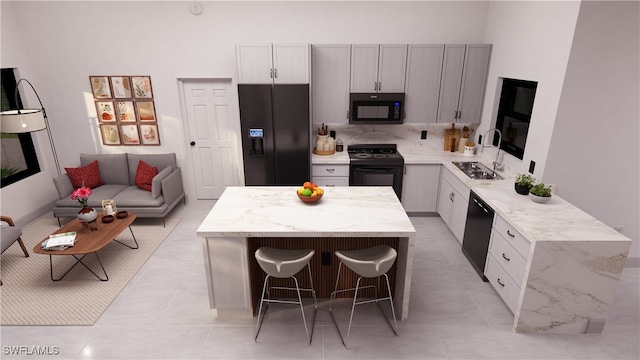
{"points": [[100, 193], [88, 175], [63, 185], [156, 184], [8, 235], [160, 161], [133, 196], [144, 175], [113, 167]]}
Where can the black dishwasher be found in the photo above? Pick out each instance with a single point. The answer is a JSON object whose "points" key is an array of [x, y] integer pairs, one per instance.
{"points": [[477, 233]]}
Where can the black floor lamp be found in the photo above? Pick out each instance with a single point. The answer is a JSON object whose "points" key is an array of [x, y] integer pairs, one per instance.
{"points": [[28, 120]]}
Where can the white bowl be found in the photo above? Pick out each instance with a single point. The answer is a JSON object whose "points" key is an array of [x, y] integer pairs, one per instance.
{"points": [[539, 199]]}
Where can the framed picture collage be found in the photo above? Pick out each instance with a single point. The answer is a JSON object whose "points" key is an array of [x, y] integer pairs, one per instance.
{"points": [[125, 110]]}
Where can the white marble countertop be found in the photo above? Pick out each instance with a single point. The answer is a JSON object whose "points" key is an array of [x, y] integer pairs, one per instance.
{"points": [[557, 220], [276, 211], [338, 158]]}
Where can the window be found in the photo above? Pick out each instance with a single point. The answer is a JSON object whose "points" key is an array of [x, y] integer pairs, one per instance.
{"points": [[19, 159], [514, 115]]}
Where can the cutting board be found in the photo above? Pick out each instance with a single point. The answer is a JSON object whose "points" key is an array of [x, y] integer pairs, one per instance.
{"points": [[451, 138]]}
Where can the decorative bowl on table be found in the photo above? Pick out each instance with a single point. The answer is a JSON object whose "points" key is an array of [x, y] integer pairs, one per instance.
{"points": [[309, 192], [122, 214], [309, 199], [107, 219]]}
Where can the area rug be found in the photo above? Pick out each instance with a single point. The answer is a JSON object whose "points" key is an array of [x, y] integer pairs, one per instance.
{"points": [[28, 296]]}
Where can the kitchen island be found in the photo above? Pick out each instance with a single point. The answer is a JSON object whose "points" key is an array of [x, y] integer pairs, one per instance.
{"points": [[246, 217]]}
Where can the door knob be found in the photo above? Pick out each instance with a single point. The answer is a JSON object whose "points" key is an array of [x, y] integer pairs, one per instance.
{"points": [[193, 143]]}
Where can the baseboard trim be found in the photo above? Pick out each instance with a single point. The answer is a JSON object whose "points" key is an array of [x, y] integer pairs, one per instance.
{"points": [[632, 262]]}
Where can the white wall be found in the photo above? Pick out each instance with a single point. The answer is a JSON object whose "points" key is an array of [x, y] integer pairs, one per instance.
{"points": [[531, 41], [26, 199], [57, 45], [595, 150]]}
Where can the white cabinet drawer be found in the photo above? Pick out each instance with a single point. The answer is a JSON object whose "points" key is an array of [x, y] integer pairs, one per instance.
{"points": [[513, 237], [328, 181], [330, 170], [502, 283], [507, 257]]}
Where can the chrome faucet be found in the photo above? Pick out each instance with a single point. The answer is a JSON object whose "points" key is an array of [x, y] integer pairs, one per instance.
{"points": [[497, 165]]}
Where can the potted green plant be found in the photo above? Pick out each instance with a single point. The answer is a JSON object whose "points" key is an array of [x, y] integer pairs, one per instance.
{"points": [[524, 182], [540, 193]]}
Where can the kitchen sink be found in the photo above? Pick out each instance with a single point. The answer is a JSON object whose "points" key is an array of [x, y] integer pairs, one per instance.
{"points": [[477, 171]]}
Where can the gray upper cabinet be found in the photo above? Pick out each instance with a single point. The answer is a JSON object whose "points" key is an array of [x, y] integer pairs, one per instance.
{"points": [[464, 77], [330, 83], [450, 83], [424, 71], [273, 64], [474, 83], [378, 68]]}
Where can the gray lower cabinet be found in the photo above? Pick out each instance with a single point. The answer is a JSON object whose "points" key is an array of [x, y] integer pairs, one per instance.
{"points": [[420, 188], [327, 175], [453, 202], [506, 261]]}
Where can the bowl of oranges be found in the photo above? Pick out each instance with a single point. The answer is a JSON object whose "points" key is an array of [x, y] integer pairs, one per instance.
{"points": [[309, 192]]}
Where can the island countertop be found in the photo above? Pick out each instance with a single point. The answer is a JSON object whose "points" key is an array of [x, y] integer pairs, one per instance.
{"points": [[276, 211], [244, 217]]}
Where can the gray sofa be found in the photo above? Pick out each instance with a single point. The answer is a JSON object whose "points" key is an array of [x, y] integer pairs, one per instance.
{"points": [[118, 171]]}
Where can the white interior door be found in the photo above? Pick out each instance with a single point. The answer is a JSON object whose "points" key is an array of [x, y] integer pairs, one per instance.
{"points": [[214, 124]]}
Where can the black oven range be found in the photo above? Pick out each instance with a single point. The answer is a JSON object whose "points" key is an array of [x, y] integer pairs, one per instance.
{"points": [[376, 165]]}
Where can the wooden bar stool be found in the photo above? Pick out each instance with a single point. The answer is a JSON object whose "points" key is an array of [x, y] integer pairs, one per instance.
{"points": [[280, 263], [371, 262]]}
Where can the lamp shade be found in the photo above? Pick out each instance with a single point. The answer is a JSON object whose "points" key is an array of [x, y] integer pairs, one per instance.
{"points": [[21, 121]]}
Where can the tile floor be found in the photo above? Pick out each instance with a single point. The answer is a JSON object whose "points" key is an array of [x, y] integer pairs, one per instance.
{"points": [[163, 313]]}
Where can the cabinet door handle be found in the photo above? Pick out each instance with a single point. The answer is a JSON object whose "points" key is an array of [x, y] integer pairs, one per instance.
{"points": [[275, 73], [451, 196], [331, 170], [510, 234], [271, 74], [379, 86], [459, 114], [501, 284], [506, 258]]}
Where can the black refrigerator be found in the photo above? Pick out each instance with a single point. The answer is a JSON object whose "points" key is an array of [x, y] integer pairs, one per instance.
{"points": [[275, 134]]}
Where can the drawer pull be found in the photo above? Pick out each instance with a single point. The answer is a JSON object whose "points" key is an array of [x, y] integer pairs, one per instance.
{"points": [[501, 284], [331, 170], [510, 234], [506, 258]]}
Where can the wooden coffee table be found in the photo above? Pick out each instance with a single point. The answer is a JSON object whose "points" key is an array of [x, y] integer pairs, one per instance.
{"points": [[89, 242]]}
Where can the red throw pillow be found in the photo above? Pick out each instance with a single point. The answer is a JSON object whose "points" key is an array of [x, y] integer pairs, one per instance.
{"points": [[88, 176], [144, 175]]}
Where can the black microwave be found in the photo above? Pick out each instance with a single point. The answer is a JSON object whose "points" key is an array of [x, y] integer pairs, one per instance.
{"points": [[376, 108]]}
